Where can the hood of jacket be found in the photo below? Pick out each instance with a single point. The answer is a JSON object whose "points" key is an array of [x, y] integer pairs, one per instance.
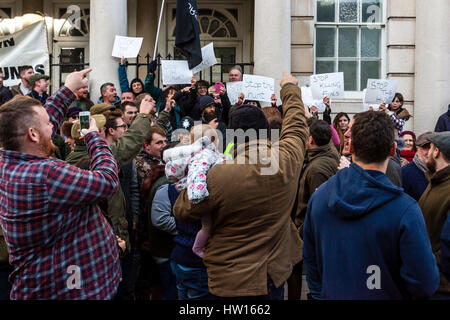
{"points": [[356, 192]]}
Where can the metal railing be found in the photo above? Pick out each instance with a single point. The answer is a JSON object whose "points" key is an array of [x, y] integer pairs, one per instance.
{"points": [[69, 63]]}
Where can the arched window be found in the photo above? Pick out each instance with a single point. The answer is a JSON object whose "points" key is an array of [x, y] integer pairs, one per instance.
{"points": [[214, 23], [74, 26]]}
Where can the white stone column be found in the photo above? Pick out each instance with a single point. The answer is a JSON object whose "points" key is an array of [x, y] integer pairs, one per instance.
{"points": [[108, 18], [272, 39], [432, 65]]}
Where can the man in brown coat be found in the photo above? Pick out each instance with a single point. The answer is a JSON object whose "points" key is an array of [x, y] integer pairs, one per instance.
{"points": [[435, 201], [254, 243]]}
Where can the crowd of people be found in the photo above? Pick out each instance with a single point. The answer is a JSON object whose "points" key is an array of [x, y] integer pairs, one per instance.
{"points": [[154, 200]]}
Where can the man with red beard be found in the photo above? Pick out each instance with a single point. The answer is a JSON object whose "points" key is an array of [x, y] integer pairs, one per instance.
{"points": [[59, 243], [435, 201], [393, 172]]}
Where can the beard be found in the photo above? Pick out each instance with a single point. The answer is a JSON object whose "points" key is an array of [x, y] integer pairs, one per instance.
{"points": [[47, 147], [431, 164]]}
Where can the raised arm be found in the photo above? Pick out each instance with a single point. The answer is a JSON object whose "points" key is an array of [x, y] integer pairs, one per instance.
{"points": [[70, 186], [58, 104]]}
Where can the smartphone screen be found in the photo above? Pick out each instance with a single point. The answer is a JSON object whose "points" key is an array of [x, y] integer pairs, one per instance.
{"points": [[218, 85], [85, 118]]}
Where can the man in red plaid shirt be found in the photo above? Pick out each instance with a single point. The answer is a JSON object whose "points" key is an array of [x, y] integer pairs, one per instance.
{"points": [[59, 243]]}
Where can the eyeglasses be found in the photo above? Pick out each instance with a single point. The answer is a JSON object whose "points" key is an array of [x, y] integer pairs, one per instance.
{"points": [[122, 126]]}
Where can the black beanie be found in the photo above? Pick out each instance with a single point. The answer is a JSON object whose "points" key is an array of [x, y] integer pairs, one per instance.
{"points": [[248, 117], [204, 102]]}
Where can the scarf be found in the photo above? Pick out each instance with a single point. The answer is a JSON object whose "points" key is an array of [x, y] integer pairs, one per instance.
{"points": [[408, 154], [419, 164]]}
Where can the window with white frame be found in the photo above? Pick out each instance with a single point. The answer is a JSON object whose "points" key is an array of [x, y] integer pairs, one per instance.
{"points": [[348, 38]]}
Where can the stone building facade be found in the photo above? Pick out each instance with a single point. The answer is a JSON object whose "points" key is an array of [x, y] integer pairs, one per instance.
{"points": [[405, 40]]}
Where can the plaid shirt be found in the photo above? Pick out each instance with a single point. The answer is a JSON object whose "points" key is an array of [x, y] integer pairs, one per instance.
{"points": [[53, 228]]}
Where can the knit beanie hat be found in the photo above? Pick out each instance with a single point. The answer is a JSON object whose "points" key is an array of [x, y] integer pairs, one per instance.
{"points": [[205, 101], [248, 117]]}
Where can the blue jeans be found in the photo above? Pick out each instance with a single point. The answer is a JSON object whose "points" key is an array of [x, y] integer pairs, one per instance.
{"points": [[168, 281], [192, 283]]}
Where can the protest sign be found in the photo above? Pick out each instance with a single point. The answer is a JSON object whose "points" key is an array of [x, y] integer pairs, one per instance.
{"points": [[309, 101], [379, 91], [175, 72], [23, 48], [327, 84], [209, 59], [127, 47], [233, 90], [258, 88]]}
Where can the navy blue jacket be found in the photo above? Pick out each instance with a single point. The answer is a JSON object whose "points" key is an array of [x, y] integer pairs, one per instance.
{"points": [[359, 221], [414, 180], [445, 249], [443, 123]]}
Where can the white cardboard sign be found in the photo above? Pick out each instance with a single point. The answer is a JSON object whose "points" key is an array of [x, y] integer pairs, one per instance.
{"points": [[127, 47], [175, 72], [258, 88], [208, 56], [327, 84], [309, 101], [234, 89], [379, 91]]}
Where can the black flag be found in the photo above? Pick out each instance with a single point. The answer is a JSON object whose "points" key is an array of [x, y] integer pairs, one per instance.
{"points": [[187, 37]]}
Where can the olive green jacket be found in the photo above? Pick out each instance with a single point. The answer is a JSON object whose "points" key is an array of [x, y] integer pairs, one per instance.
{"points": [[124, 151]]}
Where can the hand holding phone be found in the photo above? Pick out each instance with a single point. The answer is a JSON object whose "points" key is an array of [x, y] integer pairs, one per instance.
{"points": [[85, 119]]}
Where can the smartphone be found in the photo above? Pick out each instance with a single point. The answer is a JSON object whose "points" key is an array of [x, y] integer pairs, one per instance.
{"points": [[218, 85], [85, 119]]}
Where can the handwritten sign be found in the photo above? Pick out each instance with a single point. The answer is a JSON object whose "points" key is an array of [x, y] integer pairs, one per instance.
{"points": [[209, 59], [175, 72], [309, 101], [258, 88], [379, 91], [327, 84], [127, 47], [234, 89]]}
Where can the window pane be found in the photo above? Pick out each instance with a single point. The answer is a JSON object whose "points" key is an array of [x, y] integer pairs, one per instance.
{"points": [[369, 70], [370, 42], [325, 38], [348, 11], [348, 42], [326, 10], [349, 68], [371, 11], [325, 67]]}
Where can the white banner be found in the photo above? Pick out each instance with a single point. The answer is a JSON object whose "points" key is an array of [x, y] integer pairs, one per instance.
{"points": [[258, 88], [327, 84], [127, 47], [379, 91], [25, 47], [209, 58], [175, 72], [234, 89]]}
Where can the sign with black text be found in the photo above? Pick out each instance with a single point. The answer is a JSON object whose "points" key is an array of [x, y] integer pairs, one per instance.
{"points": [[22, 48]]}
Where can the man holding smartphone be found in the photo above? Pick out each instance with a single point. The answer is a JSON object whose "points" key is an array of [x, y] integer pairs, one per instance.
{"points": [[59, 243]]}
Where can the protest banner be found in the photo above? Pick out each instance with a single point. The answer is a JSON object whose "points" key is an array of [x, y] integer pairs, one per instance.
{"points": [[27, 47], [127, 47], [379, 91], [209, 58], [175, 72], [258, 88], [234, 89], [327, 84]]}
